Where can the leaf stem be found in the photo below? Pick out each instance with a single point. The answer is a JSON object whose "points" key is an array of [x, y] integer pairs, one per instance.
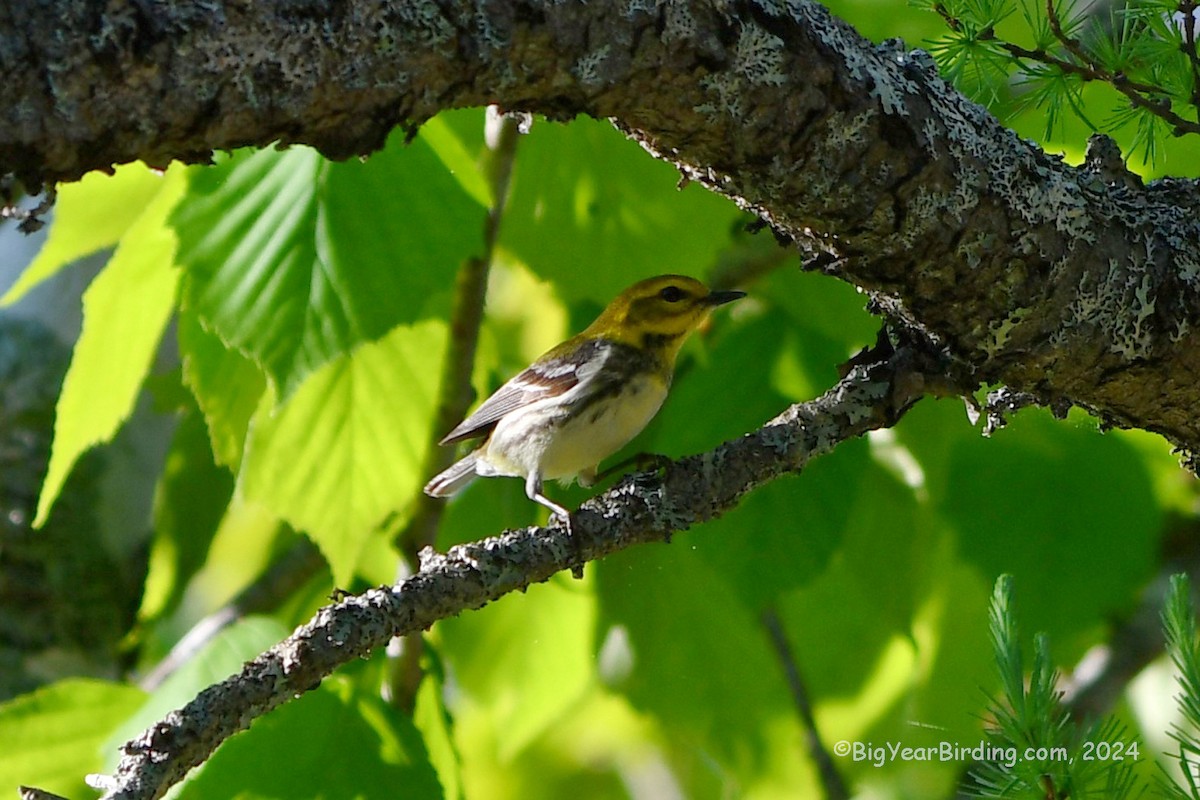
{"points": [[831, 779], [455, 395]]}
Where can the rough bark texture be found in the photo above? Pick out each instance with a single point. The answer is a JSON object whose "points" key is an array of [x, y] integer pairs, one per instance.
{"points": [[641, 508], [1077, 285]]}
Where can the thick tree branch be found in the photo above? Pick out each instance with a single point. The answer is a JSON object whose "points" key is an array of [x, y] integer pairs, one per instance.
{"points": [[1031, 273], [644, 507]]}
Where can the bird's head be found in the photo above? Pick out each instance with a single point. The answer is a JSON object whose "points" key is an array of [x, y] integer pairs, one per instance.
{"points": [[659, 312]]}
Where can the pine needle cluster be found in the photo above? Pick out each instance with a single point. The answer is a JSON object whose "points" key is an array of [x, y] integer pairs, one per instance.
{"points": [[1013, 55]]}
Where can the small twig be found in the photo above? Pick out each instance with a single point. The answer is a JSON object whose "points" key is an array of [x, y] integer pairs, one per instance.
{"points": [[1133, 90], [1153, 99], [29, 220], [28, 793], [1187, 8], [1073, 46], [455, 395], [747, 263], [1000, 404], [831, 779], [952, 22]]}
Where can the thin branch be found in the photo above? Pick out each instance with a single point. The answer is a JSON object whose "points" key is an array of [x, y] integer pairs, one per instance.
{"points": [[1073, 45], [1142, 95], [29, 219], [1187, 8], [876, 391], [862, 149], [1101, 677], [27, 793], [831, 779], [455, 395]]}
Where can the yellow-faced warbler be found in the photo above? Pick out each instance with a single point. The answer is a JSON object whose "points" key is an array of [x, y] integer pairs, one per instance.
{"points": [[585, 399]]}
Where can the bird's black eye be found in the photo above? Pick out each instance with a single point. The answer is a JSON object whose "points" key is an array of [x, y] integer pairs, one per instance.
{"points": [[672, 294]]}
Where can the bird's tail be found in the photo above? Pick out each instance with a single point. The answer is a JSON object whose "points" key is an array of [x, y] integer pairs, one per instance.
{"points": [[454, 479]]}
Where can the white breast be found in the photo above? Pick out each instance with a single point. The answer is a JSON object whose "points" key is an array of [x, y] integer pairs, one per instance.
{"points": [[603, 428], [537, 439]]}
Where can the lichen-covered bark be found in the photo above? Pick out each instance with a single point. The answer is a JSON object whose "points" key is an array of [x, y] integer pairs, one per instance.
{"points": [[1057, 281]]}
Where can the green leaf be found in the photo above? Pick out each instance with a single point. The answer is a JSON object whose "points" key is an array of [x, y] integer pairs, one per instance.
{"points": [[526, 659], [1054, 505], [831, 316], [216, 661], [295, 260], [452, 152], [680, 644], [52, 737], [723, 398], [594, 213], [332, 742], [347, 448], [191, 498], [227, 387], [124, 313], [89, 215]]}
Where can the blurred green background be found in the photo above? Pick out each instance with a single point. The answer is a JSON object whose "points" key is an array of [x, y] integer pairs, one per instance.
{"points": [[275, 325]]}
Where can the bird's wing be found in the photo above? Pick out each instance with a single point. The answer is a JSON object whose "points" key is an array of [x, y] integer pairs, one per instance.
{"points": [[552, 375]]}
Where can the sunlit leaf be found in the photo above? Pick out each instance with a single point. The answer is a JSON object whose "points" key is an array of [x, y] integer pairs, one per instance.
{"points": [[52, 737], [227, 386], [683, 648], [192, 495], [295, 260], [1052, 504], [89, 215], [433, 720], [125, 311], [525, 659], [346, 449], [451, 151]]}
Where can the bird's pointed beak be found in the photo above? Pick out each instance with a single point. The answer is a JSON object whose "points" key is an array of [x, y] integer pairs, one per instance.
{"points": [[721, 298]]}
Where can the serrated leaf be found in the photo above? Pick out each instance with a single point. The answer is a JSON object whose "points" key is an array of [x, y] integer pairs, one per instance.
{"points": [[89, 215], [189, 502], [52, 737], [125, 311], [226, 384], [295, 260], [346, 449]]}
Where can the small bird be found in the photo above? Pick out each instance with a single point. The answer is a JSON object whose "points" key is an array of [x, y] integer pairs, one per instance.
{"points": [[586, 398]]}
